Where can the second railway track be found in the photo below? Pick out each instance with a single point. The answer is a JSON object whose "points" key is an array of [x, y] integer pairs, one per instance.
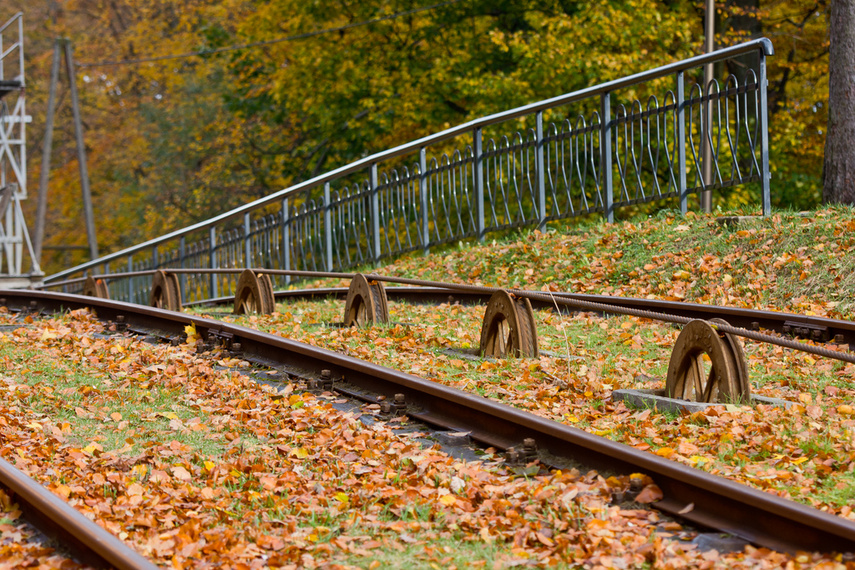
{"points": [[717, 503]]}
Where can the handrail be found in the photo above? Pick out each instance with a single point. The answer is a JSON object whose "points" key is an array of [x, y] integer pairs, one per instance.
{"points": [[762, 44]]}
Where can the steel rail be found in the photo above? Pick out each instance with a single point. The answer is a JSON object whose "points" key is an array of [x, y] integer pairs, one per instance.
{"points": [[761, 518], [739, 317], [673, 312], [602, 304], [55, 518], [762, 45]]}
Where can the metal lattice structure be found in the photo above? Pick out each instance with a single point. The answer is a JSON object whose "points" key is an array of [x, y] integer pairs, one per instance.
{"points": [[634, 140], [13, 154]]}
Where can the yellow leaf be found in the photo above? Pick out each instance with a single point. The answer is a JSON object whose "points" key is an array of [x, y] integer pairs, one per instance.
{"points": [[799, 461], [209, 465], [300, 452], [664, 452], [447, 500], [342, 497], [48, 335], [191, 330]]}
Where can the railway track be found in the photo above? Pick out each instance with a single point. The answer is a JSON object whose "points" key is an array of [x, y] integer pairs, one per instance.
{"points": [[692, 495], [86, 541]]}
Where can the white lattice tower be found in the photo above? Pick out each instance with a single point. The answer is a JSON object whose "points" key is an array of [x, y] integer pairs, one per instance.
{"points": [[13, 152]]}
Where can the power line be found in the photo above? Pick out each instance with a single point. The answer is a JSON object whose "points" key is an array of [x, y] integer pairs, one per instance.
{"points": [[267, 42]]}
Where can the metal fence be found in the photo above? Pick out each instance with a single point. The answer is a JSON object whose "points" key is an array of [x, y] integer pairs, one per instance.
{"points": [[630, 141]]}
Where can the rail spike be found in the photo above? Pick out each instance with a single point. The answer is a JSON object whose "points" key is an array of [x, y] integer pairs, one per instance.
{"points": [[254, 294], [366, 303], [727, 381], [508, 328]]}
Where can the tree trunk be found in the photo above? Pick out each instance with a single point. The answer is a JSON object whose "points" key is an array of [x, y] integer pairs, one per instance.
{"points": [[838, 171]]}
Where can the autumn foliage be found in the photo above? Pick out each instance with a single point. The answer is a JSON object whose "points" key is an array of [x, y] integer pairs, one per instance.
{"points": [[173, 140]]}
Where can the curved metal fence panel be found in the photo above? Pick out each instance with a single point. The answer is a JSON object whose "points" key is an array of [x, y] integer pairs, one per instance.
{"points": [[635, 140]]}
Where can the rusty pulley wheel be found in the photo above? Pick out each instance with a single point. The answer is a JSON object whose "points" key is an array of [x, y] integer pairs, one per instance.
{"points": [[366, 303], [96, 288], [509, 328], [254, 294], [727, 380], [165, 291]]}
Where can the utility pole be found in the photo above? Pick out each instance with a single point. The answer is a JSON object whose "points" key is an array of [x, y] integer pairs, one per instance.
{"points": [[81, 154], [64, 46], [706, 148], [41, 207]]}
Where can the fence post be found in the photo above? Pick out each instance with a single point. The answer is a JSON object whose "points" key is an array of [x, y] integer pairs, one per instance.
{"points": [[375, 213], [212, 240], [765, 175], [681, 140], [286, 241], [606, 154], [247, 242], [328, 244], [131, 293], [541, 173], [423, 191], [478, 167], [182, 279]]}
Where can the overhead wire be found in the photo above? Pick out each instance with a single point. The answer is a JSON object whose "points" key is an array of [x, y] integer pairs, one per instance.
{"points": [[207, 52]]}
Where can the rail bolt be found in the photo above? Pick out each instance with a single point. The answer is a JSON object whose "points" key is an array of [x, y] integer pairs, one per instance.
{"points": [[400, 404], [326, 379]]}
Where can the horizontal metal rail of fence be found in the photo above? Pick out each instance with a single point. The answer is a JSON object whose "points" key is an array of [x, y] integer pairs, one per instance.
{"points": [[630, 141]]}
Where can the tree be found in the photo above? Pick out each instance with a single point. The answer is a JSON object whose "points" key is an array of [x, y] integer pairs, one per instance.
{"points": [[839, 163]]}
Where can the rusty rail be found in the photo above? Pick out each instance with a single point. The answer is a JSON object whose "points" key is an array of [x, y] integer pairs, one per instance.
{"points": [[762, 518], [55, 518]]}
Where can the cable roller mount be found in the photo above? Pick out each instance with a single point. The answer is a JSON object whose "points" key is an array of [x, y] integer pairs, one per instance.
{"points": [[96, 288], [366, 304], [727, 380], [165, 291], [508, 328], [254, 294]]}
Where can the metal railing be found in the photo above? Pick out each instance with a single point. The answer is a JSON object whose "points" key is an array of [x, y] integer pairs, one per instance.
{"points": [[629, 141]]}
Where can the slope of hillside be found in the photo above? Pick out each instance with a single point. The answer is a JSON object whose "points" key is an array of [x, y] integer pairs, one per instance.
{"points": [[797, 262]]}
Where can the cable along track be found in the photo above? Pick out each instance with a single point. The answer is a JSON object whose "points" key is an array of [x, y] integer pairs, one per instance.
{"points": [[720, 504]]}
